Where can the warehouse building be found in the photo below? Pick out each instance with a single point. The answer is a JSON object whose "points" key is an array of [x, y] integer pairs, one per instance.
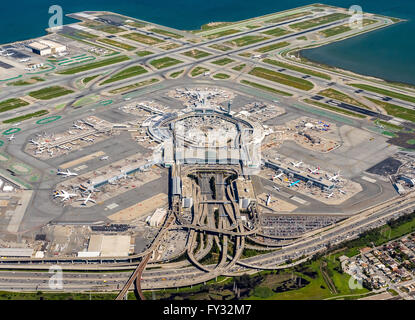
{"points": [[45, 47]]}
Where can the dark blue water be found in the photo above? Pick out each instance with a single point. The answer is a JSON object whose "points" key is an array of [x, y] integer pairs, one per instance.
{"points": [[388, 53]]}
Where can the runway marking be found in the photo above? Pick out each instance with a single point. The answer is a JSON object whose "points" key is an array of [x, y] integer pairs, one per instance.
{"points": [[369, 179], [112, 206], [299, 200]]}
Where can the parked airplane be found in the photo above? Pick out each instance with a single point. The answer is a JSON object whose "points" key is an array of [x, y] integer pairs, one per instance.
{"points": [[88, 139], [12, 137], [34, 142], [294, 183], [276, 188], [85, 200], [342, 191], [330, 195], [297, 165], [315, 171], [104, 158], [66, 173], [76, 126], [278, 176], [65, 195], [334, 177]]}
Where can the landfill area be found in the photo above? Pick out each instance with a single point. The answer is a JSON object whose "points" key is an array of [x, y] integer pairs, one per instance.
{"points": [[195, 97], [326, 187], [109, 181], [83, 133], [261, 112], [274, 204], [309, 133], [292, 226]]}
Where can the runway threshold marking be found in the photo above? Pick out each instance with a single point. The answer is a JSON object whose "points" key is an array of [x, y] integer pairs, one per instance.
{"points": [[369, 179]]}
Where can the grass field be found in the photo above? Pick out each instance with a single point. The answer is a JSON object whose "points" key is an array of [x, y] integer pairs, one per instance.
{"points": [[143, 53], [102, 27], [246, 40], [176, 74], [303, 25], [166, 33], [88, 79], [50, 93], [394, 110], [164, 62], [221, 76], [334, 94], [196, 54], [277, 32], [265, 88], [384, 92], [26, 82], [282, 78], [12, 103], [222, 33], [198, 71], [335, 109], [299, 69], [138, 37], [126, 73], [220, 47], [272, 47], [134, 86], [288, 17], [94, 65], [117, 44], [342, 28], [239, 67], [27, 116], [222, 62]]}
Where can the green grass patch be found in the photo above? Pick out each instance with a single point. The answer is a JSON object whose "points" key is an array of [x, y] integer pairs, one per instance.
{"points": [[288, 17], [394, 110], [138, 37], [143, 53], [88, 79], [50, 93], [265, 88], [134, 86], [277, 32], [166, 33], [27, 116], [299, 69], [117, 44], [196, 54], [126, 73], [102, 27], [239, 67], [334, 94], [221, 76], [12, 103], [246, 40], [176, 74], [385, 92], [303, 25], [410, 141], [26, 82], [94, 65], [272, 47], [222, 33], [220, 47], [335, 109], [222, 62], [198, 71], [164, 62], [282, 78]]}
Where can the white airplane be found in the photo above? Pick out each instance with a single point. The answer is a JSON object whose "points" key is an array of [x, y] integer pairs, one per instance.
{"points": [[76, 126], [34, 142], [50, 152], [330, 195], [276, 188], [66, 173], [24, 60], [39, 151], [342, 191], [65, 195], [12, 137], [334, 177], [278, 176], [315, 171], [104, 158], [297, 165], [88, 139], [85, 200]]}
